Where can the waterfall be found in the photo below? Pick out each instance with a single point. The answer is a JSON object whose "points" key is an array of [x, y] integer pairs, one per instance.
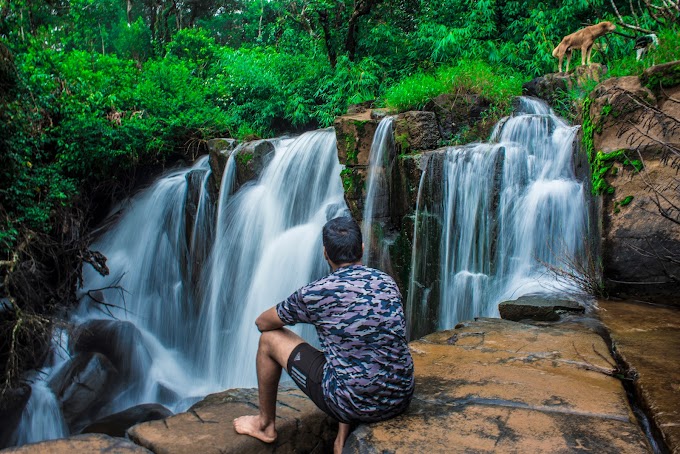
{"points": [[376, 205], [510, 209], [268, 245], [189, 275]]}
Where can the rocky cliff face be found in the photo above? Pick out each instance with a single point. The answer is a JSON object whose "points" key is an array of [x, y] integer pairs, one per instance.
{"points": [[634, 124]]}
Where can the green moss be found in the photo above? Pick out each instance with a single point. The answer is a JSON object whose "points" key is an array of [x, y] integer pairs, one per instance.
{"points": [[666, 79], [402, 142], [622, 203], [626, 201], [602, 163], [244, 158], [351, 149], [360, 125], [351, 182]]}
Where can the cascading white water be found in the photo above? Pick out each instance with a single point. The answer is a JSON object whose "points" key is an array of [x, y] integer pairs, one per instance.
{"points": [[268, 245], [192, 281], [42, 418], [500, 229], [376, 204]]}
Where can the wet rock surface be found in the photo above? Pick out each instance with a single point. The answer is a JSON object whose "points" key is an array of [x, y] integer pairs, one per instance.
{"points": [[251, 159], [118, 423], [90, 443], [219, 151], [416, 131], [538, 307], [647, 339], [83, 386], [499, 386], [208, 426]]}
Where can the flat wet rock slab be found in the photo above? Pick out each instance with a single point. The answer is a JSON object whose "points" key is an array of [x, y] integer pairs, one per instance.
{"points": [[207, 427], [647, 338], [89, 443], [499, 386]]}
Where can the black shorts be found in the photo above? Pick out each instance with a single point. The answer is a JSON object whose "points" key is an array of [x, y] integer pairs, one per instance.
{"points": [[305, 367]]}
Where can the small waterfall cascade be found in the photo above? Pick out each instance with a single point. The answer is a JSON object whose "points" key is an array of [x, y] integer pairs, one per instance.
{"points": [[42, 418], [188, 276], [268, 245], [510, 209], [417, 302], [376, 205]]}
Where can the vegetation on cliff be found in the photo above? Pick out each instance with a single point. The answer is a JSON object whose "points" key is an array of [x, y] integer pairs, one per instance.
{"points": [[93, 92]]}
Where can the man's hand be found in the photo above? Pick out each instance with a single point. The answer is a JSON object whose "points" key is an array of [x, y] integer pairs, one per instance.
{"points": [[269, 320]]}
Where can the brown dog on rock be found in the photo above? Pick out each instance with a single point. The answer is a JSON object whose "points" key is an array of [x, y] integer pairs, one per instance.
{"points": [[582, 39]]}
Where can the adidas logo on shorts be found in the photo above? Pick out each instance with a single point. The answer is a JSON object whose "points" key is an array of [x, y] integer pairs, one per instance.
{"points": [[297, 357]]}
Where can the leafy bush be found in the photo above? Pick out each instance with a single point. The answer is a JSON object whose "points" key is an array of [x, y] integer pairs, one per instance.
{"points": [[498, 84]]}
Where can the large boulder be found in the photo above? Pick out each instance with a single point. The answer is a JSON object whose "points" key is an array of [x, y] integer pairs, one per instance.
{"points": [[662, 76], [498, 386], [82, 386], [636, 141], [90, 443], [119, 341], [207, 427], [538, 307], [549, 87], [354, 136], [117, 424], [119, 349], [553, 87]]}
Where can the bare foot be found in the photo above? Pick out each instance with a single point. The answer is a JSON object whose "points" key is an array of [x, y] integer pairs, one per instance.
{"points": [[250, 425]]}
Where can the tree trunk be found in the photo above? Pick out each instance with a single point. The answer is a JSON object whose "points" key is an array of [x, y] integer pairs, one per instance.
{"points": [[328, 39], [361, 8]]}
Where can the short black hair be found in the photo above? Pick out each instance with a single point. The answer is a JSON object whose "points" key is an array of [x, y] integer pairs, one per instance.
{"points": [[342, 240]]}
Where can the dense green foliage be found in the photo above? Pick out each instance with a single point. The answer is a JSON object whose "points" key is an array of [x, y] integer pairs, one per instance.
{"points": [[92, 90], [499, 85]]}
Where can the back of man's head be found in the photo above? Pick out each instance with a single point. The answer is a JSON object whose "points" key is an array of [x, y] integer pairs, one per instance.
{"points": [[342, 240]]}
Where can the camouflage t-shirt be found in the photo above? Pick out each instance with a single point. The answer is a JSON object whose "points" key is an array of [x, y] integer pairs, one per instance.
{"points": [[358, 316]]}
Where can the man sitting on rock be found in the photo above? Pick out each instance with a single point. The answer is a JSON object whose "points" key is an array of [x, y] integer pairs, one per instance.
{"points": [[365, 372]]}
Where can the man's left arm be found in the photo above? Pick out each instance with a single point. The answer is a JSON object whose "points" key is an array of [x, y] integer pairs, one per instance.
{"points": [[269, 320]]}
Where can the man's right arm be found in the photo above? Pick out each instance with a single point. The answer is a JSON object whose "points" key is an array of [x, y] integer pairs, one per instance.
{"points": [[269, 320]]}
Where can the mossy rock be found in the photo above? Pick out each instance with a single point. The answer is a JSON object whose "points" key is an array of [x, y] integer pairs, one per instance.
{"points": [[354, 136], [662, 76]]}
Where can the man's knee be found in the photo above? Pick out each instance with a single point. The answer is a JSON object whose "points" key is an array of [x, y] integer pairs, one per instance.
{"points": [[279, 343], [267, 339]]}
